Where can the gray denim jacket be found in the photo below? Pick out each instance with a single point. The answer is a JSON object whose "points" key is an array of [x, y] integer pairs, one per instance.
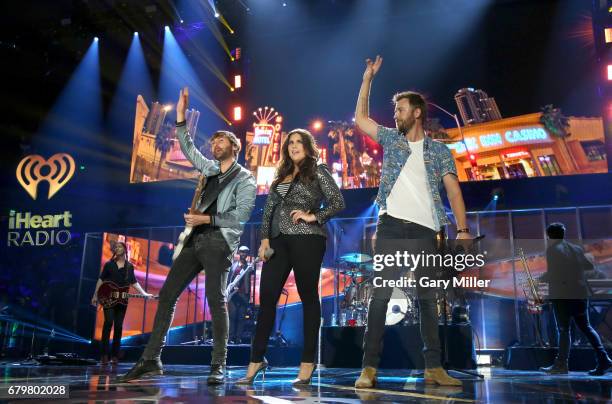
{"points": [[307, 197], [235, 202]]}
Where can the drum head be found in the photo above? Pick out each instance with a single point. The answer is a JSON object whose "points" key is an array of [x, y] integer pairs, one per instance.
{"points": [[397, 307]]}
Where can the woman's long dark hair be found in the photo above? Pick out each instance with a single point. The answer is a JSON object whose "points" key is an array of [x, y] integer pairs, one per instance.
{"points": [[307, 167]]}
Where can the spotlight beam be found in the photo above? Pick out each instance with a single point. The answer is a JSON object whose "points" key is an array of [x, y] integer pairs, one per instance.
{"points": [[204, 59], [177, 71], [215, 31]]}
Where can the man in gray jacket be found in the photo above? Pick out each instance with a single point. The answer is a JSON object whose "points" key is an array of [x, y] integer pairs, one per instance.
{"points": [[224, 207]]}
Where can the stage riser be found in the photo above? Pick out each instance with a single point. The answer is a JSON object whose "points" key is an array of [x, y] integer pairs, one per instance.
{"points": [[532, 358], [202, 354], [403, 347]]}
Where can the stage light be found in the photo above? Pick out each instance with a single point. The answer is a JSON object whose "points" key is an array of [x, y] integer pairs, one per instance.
{"points": [[135, 33], [182, 21], [495, 197], [237, 81], [608, 34], [284, 4], [232, 89], [167, 107], [317, 125], [216, 15], [237, 113], [609, 72], [167, 28], [95, 38], [473, 161]]}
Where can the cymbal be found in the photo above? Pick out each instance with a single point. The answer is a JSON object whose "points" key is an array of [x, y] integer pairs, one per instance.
{"points": [[355, 258], [354, 272]]}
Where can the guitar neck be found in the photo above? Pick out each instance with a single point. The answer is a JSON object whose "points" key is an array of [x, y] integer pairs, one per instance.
{"points": [[197, 193]]}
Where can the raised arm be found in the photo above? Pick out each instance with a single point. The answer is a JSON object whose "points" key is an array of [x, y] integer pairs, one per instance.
{"points": [[362, 111], [200, 162]]}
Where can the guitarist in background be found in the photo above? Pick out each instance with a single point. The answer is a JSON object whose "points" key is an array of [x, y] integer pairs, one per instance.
{"points": [[223, 207], [239, 302], [121, 272]]}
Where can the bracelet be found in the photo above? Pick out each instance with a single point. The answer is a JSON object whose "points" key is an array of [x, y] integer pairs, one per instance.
{"points": [[464, 230]]}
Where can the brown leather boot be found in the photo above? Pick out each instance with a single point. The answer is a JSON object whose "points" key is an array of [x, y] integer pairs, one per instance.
{"points": [[440, 377], [367, 379]]}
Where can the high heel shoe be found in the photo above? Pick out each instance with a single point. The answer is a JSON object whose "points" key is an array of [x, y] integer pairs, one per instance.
{"points": [[263, 366], [297, 381]]}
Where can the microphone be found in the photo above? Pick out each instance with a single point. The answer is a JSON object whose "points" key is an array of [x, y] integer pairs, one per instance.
{"points": [[268, 253]]}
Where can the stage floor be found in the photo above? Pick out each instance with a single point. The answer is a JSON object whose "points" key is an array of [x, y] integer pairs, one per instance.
{"points": [[187, 384]]}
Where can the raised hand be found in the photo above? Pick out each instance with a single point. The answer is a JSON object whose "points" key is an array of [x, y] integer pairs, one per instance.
{"points": [[181, 105], [372, 67]]}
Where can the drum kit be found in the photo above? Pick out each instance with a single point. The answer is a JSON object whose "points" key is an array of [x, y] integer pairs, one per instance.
{"points": [[358, 288]]}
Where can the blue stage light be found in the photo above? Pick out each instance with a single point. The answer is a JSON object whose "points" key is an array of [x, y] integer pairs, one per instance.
{"points": [[95, 38], [135, 33]]}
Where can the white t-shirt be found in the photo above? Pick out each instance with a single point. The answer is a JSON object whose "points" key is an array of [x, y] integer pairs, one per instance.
{"points": [[410, 198]]}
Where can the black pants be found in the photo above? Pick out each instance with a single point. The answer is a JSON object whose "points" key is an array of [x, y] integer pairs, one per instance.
{"points": [[113, 318], [304, 254], [398, 235], [208, 252], [576, 309], [238, 306]]}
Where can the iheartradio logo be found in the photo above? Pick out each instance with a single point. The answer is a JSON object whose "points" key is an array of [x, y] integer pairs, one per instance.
{"points": [[57, 171]]}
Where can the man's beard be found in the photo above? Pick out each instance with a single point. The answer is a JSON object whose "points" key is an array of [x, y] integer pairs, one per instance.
{"points": [[404, 126], [224, 155]]}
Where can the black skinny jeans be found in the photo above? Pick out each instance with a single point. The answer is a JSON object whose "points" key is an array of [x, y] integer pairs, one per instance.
{"points": [[113, 317], [304, 254], [204, 251], [578, 309]]}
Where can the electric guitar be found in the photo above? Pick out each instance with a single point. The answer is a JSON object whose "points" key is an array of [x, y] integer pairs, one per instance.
{"points": [[231, 288], [110, 294], [192, 210]]}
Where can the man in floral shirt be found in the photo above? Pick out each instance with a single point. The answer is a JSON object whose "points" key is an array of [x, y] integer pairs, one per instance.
{"points": [[410, 217]]}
